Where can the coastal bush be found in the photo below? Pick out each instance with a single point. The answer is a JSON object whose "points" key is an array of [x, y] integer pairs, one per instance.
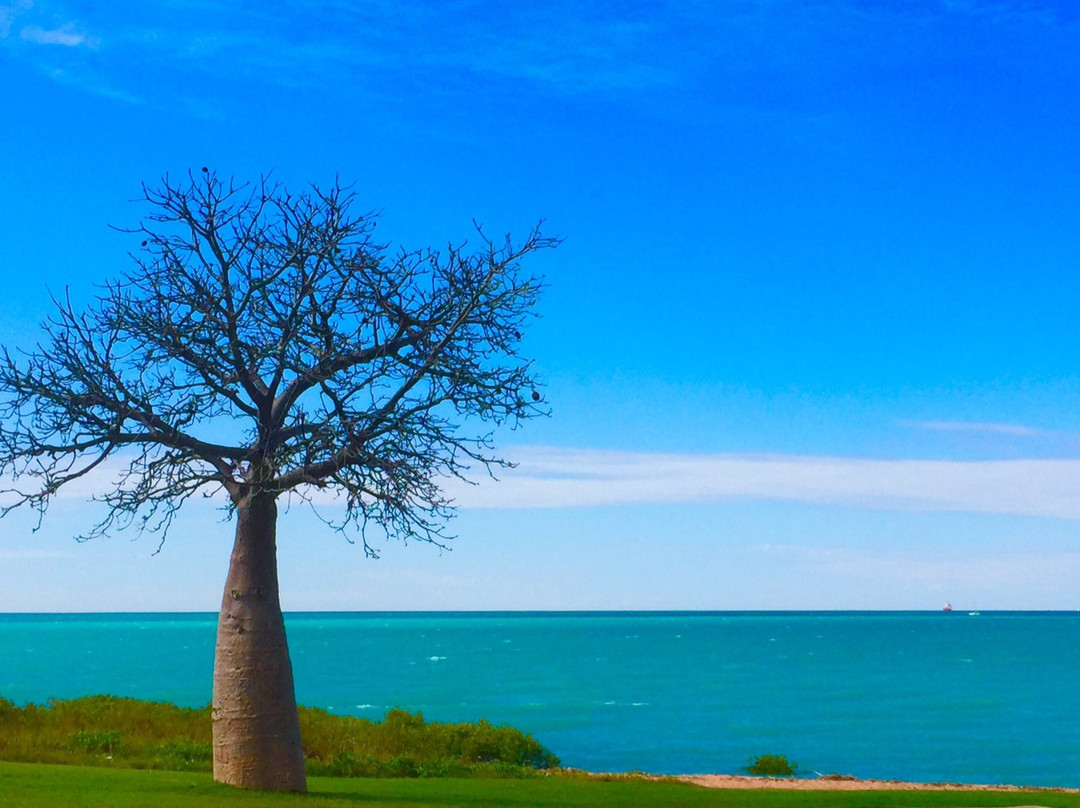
{"points": [[772, 766], [96, 742], [100, 730], [405, 745], [128, 733], [183, 756]]}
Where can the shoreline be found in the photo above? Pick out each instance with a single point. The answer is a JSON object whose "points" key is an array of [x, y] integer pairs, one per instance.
{"points": [[844, 783], [822, 782]]}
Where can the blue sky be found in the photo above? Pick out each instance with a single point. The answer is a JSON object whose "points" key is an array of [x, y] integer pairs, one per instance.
{"points": [[810, 340]]}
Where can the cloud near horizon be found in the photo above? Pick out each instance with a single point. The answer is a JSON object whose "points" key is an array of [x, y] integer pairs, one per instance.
{"points": [[564, 478], [553, 478]]}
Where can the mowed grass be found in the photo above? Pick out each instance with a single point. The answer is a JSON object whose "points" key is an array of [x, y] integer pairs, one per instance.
{"points": [[30, 785]]}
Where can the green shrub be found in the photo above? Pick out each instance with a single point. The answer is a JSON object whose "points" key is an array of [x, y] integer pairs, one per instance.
{"points": [[402, 766], [105, 730], [345, 764], [772, 766], [405, 745], [96, 742], [184, 756]]}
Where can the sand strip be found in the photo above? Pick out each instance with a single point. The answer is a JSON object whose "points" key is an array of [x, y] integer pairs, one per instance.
{"points": [[835, 783]]}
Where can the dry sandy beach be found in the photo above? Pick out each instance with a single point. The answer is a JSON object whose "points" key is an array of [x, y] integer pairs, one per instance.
{"points": [[833, 783]]}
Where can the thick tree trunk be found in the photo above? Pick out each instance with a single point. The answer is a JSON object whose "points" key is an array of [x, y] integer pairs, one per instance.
{"points": [[256, 729]]}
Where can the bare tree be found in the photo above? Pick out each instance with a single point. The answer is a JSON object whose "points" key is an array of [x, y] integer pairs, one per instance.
{"points": [[265, 345]]}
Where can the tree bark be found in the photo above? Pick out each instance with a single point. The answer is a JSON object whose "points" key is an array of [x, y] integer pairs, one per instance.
{"points": [[256, 727]]}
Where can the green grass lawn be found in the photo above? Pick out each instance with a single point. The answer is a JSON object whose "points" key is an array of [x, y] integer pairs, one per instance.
{"points": [[29, 785]]}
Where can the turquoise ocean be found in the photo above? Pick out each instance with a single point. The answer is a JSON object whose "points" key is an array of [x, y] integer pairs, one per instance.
{"points": [[990, 697]]}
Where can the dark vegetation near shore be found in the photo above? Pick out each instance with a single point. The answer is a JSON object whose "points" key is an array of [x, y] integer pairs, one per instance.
{"points": [[771, 766], [127, 733]]}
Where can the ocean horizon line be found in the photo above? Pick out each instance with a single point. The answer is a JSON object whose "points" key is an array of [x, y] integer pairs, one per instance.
{"points": [[302, 613]]}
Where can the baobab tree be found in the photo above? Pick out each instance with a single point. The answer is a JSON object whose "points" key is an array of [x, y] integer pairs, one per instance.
{"points": [[263, 345]]}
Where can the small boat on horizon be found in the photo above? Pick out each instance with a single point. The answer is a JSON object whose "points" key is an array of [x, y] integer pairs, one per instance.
{"points": [[947, 607]]}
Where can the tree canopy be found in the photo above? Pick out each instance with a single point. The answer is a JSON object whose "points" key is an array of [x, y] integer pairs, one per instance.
{"points": [[265, 340]]}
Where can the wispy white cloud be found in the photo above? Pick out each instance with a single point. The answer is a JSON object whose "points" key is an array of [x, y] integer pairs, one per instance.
{"points": [[90, 81], [560, 47], [567, 48], [1011, 430], [8, 11], [560, 478], [403, 44], [553, 478], [386, 49], [63, 51], [61, 48], [66, 36]]}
